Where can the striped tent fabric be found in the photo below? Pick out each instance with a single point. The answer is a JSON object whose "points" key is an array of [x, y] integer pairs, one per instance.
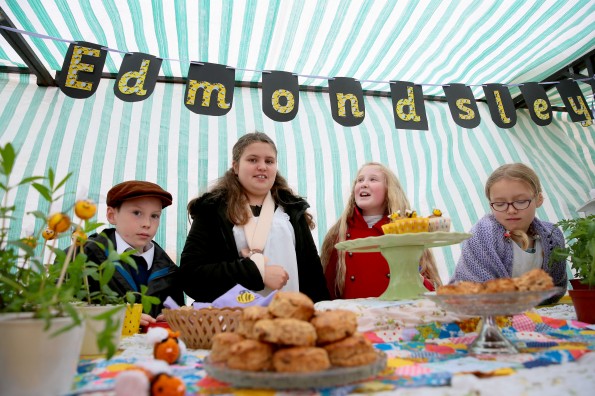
{"points": [[430, 42], [103, 141]]}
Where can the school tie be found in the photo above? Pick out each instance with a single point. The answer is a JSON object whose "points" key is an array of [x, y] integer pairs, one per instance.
{"points": [[142, 276]]}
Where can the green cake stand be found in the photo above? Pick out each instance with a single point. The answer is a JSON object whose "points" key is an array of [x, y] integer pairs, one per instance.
{"points": [[403, 252]]}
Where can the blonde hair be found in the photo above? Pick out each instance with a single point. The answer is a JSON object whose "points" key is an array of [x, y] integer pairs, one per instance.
{"points": [[520, 172], [230, 188], [395, 200]]}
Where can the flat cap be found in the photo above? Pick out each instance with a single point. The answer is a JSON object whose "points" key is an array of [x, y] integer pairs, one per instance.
{"points": [[136, 189]]}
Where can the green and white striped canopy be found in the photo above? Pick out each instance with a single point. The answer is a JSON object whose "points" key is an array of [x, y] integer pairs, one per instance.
{"points": [[103, 140]]}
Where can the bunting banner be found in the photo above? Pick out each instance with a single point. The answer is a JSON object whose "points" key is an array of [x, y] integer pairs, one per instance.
{"points": [[210, 88]]}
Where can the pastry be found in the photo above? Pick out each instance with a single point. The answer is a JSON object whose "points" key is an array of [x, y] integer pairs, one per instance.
{"points": [[355, 350], [536, 279], [222, 343], [408, 223], [251, 315], [285, 331], [250, 355], [461, 287], [300, 359], [334, 325], [499, 285], [438, 222], [294, 305]]}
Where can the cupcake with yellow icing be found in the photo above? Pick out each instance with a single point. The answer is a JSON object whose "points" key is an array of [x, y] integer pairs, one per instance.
{"points": [[404, 224]]}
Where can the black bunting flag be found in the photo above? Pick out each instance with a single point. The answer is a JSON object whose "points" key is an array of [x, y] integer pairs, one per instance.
{"points": [[575, 102], [280, 95], [209, 89], [462, 105], [537, 103], [137, 77], [347, 101], [501, 105], [409, 109], [81, 70]]}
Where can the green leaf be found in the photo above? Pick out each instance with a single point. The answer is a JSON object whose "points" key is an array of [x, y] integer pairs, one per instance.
{"points": [[43, 190]]}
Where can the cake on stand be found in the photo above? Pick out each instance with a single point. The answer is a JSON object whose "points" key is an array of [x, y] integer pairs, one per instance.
{"points": [[403, 252]]}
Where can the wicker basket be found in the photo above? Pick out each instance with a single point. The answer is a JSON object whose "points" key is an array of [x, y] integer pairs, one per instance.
{"points": [[198, 326]]}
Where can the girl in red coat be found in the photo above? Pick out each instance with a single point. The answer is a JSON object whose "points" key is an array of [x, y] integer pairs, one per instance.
{"points": [[375, 194]]}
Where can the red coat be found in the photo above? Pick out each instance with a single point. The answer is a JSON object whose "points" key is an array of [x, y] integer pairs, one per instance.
{"points": [[367, 274]]}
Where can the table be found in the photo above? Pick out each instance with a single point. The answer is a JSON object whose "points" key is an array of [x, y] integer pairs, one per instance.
{"points": [[426, 357]]}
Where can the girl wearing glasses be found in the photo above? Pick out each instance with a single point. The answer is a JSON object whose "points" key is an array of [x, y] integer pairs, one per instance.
{"points": [[511, 241]]}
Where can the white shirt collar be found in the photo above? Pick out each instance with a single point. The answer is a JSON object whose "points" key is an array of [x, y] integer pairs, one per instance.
{"points": [[122, 246]]}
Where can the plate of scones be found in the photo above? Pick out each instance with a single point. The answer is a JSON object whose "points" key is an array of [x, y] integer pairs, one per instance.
{"points": [[502, 296], [290, 345]]}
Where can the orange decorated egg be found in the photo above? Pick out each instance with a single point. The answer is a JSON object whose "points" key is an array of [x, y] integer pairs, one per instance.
{"points": [[48, 234], [79, 237], [59, 222], [85, 209]]}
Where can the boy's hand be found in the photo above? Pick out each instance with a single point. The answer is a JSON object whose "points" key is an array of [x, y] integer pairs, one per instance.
{"points": [[145, 320]]}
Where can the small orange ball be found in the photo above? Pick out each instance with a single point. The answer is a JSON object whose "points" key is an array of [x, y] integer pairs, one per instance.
{"points": [[59, 222], [85, 209], [79, 237], [48, 234], [31, 241]]}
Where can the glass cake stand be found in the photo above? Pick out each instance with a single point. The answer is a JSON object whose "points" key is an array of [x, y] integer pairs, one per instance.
{"points": [[403, 252], [490, 339]]}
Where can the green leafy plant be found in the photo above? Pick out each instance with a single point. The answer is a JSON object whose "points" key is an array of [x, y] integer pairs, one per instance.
{"points": [[580, 249], [56, 286]]}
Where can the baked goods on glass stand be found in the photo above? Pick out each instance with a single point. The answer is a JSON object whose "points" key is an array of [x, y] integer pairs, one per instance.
{"points": [[289, 345], [403, 251], [496, 297]]}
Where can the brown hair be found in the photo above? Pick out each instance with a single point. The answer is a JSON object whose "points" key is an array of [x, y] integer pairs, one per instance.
{"points": [[520, 172], [229, 185], [395, 200]]}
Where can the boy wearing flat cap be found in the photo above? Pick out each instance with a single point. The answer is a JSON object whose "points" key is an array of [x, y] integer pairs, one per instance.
{"points": [[134, 208]]}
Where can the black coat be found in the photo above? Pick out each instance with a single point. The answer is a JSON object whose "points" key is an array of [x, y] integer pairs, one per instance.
{"points": [[211, 265], [163, 280]]}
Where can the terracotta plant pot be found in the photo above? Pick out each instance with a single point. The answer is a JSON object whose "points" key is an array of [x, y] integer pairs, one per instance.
{"points": [[584, 304], [577, 285], [33, 361]]}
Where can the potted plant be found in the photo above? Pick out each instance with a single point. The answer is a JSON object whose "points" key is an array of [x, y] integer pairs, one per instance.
{"points": [[580, 251], [41, 329]]}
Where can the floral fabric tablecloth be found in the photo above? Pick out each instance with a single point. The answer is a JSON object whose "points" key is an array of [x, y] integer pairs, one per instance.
{"points": [[429, 357]]}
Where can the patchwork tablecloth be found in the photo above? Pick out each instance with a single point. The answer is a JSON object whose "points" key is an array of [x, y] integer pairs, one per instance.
{"points": [[431, 354]]}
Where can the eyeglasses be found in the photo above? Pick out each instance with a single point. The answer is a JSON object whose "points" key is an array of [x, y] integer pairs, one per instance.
{"points": [[518, 205]]}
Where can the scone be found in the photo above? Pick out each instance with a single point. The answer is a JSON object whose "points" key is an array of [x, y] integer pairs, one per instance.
{"points": [[462, 287], [251, 315], [536, 279], [300, 360], [351, 351], [285, 331], [222, 343], [499, 285], [250, 355], [294, 305], [334, 325]]}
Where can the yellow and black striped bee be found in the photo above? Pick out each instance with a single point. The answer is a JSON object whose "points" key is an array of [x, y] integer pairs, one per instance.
{"points": [[245, 297]]}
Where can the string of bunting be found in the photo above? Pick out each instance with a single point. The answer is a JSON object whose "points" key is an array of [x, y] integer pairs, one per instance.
{"points": [[210, 89]]}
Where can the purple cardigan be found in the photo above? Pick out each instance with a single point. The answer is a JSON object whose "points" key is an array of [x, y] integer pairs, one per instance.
{"points": [[488, 254]]}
